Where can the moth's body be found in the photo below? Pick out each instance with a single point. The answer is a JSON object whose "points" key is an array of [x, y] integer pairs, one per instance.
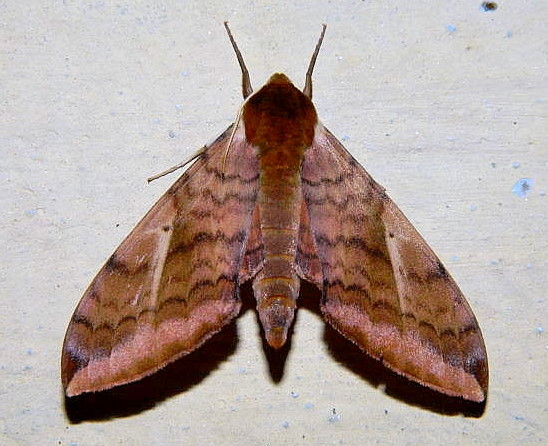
{"points": [[279, 122], [275, 199]]}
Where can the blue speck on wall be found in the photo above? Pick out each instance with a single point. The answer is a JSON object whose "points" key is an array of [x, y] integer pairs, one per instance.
{"points": [[450, 28], [522, 187], [334, 417], [518, 418]]}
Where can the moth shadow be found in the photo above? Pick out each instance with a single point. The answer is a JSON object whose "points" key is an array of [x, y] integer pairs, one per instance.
{"points": [[377, 375]]}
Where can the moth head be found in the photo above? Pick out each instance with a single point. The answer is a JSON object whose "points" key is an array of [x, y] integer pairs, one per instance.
{"points": [[279, 78]]}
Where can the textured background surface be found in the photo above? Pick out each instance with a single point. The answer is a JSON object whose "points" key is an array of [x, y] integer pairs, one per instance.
{"points": [[445, 105]]}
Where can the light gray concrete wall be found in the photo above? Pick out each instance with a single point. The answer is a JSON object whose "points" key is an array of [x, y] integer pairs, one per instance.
{"points": [[444, 104]]}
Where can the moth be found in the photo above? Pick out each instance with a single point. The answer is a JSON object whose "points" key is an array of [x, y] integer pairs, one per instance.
{"points": [[275, 199]]}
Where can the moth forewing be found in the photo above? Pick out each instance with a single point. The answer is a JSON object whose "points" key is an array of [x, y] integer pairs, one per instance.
{"points": [[172, 283]]}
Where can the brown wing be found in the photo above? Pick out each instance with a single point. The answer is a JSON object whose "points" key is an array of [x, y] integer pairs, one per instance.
{"points": [[383, 287], [173, 282]]}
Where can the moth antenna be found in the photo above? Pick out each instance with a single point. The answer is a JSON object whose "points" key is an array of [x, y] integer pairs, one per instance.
{"points": [[197, 155], [247, 89], [307, 90]]}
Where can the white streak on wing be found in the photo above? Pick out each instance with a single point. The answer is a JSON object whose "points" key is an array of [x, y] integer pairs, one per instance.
{"points": [[159, 261]]}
